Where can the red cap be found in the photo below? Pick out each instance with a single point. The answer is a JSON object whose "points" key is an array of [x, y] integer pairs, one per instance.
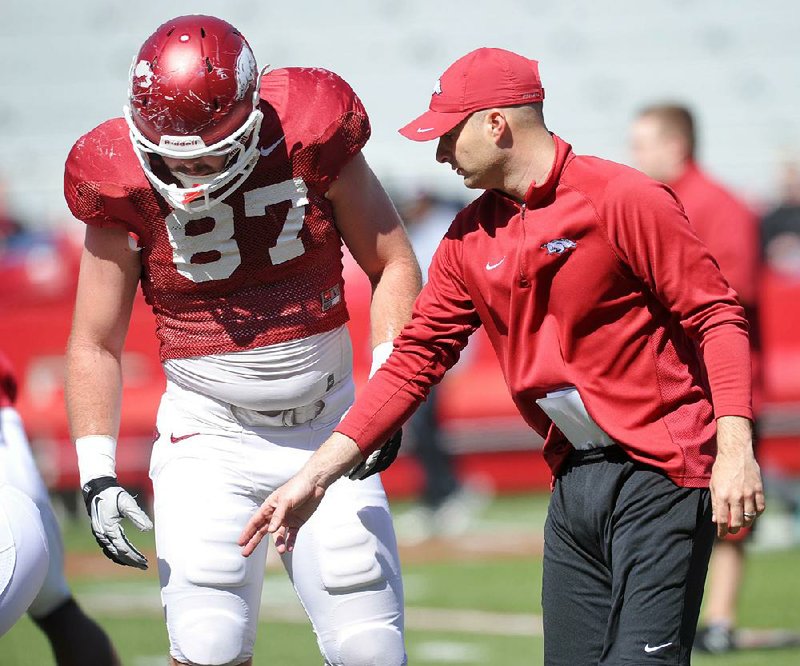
{"points": [[482, 79]]}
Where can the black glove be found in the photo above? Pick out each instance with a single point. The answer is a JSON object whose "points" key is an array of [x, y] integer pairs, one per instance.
{"points": [[107, 502], [378, 460]]}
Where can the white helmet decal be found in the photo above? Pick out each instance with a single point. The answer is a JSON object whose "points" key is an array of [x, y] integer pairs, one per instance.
{"points": [[143, 69], [246, 71]]}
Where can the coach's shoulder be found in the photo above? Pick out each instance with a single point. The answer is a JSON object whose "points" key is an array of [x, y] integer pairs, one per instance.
{"points": [[611, 185]]}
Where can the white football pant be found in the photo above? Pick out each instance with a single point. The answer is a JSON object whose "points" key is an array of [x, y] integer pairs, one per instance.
{"points": [[18, 468], [210, 473], [23, 555]]}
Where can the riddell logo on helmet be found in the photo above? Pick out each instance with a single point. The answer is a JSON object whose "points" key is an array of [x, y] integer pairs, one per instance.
{"points": [[186, 143]]}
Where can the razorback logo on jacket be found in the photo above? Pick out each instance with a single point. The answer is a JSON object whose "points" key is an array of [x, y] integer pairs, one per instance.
{"points": [[559, 246]]}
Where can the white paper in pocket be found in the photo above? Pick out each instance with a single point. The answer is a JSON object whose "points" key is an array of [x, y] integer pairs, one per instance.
{"points": [[566, 409]]}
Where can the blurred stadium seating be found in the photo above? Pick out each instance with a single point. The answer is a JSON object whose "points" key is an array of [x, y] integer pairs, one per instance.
{"points": [[734, 62]]}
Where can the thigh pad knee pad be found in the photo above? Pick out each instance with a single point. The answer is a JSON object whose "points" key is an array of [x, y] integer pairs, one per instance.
{"points": [[210, 628], [216, 559], [349, 558], [372, 645]]}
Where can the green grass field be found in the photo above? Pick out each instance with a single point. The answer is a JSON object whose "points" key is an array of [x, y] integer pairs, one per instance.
{"points": [[463, 607]]}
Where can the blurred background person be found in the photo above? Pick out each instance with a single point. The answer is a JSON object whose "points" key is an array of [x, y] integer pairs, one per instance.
{"points": [[24, 557], [32, 552], [447, 504], [780, 227], [664, 146]]}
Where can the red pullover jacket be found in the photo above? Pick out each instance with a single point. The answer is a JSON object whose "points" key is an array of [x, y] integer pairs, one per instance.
{"points": [[596, 281]]}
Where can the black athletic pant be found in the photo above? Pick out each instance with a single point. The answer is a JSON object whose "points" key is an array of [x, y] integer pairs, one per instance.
{"points": [[625, 558]]}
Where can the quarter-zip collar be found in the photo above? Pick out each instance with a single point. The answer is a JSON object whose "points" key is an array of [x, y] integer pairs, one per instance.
{"points": [[538, 191]]}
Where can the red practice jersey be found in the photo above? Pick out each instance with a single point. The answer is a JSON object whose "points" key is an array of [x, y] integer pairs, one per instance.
{"points": [[261, 267], [597, 281]]}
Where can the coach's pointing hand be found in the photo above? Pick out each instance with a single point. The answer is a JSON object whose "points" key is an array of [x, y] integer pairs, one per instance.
{"points": [[291, 505], [282, 514]]}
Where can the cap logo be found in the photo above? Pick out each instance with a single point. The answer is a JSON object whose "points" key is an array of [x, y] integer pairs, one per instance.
{"points": [[437, 89]]}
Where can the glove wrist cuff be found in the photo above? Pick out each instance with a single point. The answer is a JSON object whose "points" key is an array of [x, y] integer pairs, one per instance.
{"points": [[380, 353], [97, 457]]}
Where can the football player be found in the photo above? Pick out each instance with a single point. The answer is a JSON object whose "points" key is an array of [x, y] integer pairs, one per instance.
{"points": [[227, 193], [32, 551]]}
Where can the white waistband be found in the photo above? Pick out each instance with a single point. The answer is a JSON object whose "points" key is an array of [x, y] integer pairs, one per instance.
{"points": [[274, 378], [331, 405]]}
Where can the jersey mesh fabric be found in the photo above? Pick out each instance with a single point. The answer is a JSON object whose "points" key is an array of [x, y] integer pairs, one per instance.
{"points": [[313, 125]]}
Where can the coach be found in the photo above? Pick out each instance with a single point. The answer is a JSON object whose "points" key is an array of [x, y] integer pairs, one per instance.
{"points": [[622, 345]]}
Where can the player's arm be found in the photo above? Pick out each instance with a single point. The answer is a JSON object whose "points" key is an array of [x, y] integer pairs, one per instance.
{"points": [[109, 275], [107, 284], [377, 239]]}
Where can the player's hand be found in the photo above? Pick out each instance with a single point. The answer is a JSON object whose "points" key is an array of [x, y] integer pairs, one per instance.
{"points": [[107, 503], [737, 492], [282, 514], [378, 460]]}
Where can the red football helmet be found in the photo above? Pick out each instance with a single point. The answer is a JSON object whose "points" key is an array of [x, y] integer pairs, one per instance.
{"points": [[194, 92]]}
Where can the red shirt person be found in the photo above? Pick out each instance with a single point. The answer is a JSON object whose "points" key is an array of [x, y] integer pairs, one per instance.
{"points": [[663, 143], [578, 269]]}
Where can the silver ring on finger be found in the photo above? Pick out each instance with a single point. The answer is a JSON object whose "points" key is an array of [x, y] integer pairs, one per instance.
{"points": [[749, 516]]}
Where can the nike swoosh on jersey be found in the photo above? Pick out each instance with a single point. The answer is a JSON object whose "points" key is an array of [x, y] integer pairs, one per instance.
{"points": [[656, 648], [491, 267], [180, 438], [266, 151]]}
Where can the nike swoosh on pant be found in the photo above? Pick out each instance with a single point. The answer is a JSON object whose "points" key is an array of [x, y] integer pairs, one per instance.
{"points": [[180, 438], [656, 648]]}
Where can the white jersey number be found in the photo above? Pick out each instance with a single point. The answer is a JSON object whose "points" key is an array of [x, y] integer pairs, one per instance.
{"points": [[217, 242]]}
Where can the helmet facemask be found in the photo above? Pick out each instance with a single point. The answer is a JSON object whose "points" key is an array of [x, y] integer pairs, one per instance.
{"points": [[194, 93], [194, 196]]}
